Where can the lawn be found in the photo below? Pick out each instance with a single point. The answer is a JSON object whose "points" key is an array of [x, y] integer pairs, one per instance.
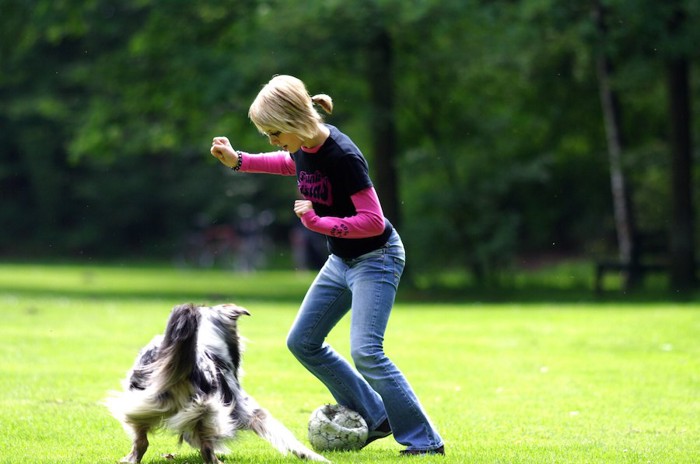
{"points": [[504, 382]]}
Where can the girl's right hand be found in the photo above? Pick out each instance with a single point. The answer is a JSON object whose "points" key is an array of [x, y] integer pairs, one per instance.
{"points": [[222, 150]]}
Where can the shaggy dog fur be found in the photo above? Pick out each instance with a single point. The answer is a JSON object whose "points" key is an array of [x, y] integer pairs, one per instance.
{"points": [[187, 381]]}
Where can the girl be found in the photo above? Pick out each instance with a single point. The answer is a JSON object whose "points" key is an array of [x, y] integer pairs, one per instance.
{"points": [[362, 271]]}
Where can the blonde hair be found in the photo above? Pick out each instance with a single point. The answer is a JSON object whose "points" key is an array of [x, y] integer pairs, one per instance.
{"points": [[284, 104]]}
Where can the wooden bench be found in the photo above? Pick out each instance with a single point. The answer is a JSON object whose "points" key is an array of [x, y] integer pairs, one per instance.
{"points": [[605, 267], [653, 259]]}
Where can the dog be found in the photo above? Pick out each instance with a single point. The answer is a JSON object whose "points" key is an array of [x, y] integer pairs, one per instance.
{"points": [[188, 381]]}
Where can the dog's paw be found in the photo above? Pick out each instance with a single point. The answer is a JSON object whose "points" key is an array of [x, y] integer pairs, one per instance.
{"points": [[129, 460]]}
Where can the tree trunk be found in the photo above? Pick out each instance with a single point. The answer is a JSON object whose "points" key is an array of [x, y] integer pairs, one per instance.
{"points": [[682, 247], [383, 129], [622, 206]]}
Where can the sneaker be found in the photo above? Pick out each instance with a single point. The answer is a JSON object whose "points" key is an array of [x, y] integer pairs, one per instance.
{"points": [[383, 430], [440, 450]]}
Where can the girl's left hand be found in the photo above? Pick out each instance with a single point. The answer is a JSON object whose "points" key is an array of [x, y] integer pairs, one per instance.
{"points": [[301, 207]]}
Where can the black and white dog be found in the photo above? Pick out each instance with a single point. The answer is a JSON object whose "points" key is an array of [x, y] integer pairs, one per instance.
{"points": [[187, 381]]}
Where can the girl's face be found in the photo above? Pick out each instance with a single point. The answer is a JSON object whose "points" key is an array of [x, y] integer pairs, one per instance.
{"points": [[287, 142]]}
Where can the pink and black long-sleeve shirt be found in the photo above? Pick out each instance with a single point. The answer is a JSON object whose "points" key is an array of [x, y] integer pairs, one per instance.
{"points": [[335, 177]]}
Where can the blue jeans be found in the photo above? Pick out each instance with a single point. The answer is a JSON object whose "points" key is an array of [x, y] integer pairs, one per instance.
{"points": [[375, 388]]}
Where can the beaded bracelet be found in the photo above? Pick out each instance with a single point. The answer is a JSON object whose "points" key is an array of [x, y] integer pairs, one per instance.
{"points": [[238, 164]]}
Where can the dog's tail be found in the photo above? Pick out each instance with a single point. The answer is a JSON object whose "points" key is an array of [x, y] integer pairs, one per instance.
{"points": [[279, 436], [173, 362], [178, 351]]}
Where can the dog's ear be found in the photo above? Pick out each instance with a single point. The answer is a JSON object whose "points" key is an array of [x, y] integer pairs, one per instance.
{"points": [[232, 309]]}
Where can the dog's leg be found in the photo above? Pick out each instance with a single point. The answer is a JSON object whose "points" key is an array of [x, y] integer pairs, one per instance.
{"points": [[208, 455], [207, 446], [279, 436], [139, 447]]}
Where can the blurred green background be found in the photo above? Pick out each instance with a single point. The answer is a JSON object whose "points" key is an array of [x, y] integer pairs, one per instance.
{"points": [[494, 129]]}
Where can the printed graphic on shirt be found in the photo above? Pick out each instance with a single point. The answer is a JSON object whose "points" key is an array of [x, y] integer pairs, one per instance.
{"points": [[315, 187], [340, 230]]}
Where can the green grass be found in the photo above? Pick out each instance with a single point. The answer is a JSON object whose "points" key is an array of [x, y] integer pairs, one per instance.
{"points": [[504, 382]]}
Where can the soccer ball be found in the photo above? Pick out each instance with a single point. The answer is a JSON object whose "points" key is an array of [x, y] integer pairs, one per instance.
{"points": [[333, 427]]}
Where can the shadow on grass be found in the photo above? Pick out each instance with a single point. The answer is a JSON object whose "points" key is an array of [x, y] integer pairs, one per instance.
{"points": [[464, 295], [195, 296], [109, 282], [542, 294]]}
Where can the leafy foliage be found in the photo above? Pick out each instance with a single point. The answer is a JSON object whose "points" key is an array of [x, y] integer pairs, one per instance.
{"points": [[109, 108]]}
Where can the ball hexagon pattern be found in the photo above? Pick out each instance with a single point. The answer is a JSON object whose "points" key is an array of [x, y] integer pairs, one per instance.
{"points": [[333, 427]]}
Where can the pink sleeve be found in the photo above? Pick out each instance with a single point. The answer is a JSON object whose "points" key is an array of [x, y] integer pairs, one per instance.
{"points": [[276, 162], [368, 222]]}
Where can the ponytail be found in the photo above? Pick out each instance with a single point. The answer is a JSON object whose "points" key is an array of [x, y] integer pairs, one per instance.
{"points": [[324, 101]]}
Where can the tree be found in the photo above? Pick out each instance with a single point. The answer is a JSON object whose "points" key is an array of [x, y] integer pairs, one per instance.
{"points": [[625, 226], [480, 119], [381, 82], [661, 35], [682, 245]]}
